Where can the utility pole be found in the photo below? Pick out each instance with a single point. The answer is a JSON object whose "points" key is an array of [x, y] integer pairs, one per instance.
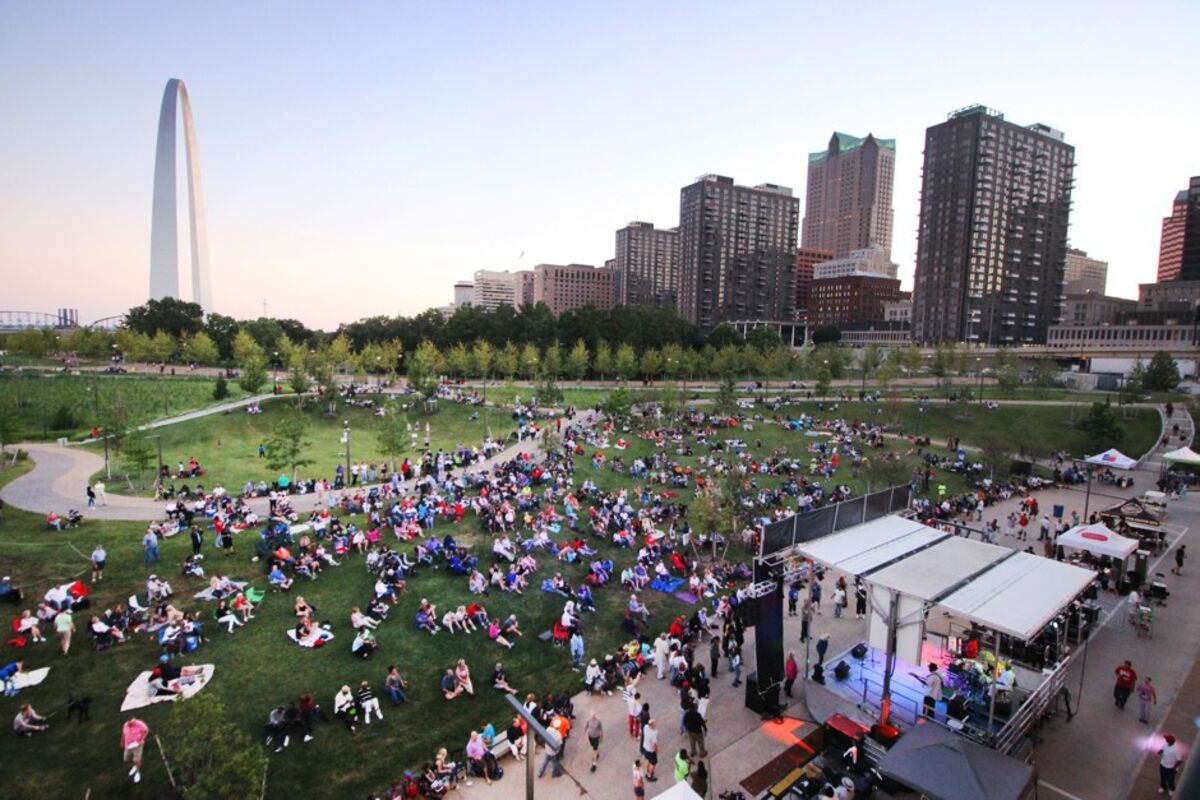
{"points": [[346, 439]]}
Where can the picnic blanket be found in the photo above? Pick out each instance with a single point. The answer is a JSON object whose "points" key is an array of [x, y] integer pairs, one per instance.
{"points": [[33, 677], [139, 694], [687, 597], [207, 594], [322, 637], [667, 585]]}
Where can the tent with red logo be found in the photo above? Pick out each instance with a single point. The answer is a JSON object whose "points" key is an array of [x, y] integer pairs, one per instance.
{"points": [[1098, 540], [1113, 458]]}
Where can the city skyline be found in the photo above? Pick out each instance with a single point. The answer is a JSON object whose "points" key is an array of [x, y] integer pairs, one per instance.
{"points": [[406, 148]]}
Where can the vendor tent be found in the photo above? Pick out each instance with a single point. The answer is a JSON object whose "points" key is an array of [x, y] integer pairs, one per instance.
{"points": [[1184, 455], [1132, 512], [1098, 540], [680, 791], [1113, 458], [944, 766]]}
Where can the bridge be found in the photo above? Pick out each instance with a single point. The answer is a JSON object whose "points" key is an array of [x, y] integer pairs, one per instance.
{"points": [[64, 320]]}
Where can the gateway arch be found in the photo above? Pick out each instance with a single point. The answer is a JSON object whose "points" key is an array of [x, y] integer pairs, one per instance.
{"points": [[164, 235]]}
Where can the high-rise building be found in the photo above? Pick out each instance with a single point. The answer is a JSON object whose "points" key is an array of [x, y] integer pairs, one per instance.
{"points": [[463, 290], [992, 237], [806, 259], [564, 288], [1179, 249], [1084, 274], [868, 261], [848, 205], [737, 251], [647, 265]]}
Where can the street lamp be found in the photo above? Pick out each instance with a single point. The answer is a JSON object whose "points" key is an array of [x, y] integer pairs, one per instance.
{"points": [[979, 377], [158, 475], [274, 371], [346, 441]]}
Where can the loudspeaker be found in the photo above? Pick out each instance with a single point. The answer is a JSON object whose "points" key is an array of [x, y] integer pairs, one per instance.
{"points": [[841, 671], [859, 651], [761, 699]]}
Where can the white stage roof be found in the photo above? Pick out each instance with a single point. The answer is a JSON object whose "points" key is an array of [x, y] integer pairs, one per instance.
{"points": [[930, 572], [1019, 596], [865, 547]]}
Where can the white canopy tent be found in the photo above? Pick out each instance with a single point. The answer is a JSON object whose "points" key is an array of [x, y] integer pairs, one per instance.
{"points": [[1099, 540], [1113, 458], [1184, 455], [865, 548]]}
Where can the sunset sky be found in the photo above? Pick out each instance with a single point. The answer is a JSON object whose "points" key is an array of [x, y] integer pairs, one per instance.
{"points": [[358, 159]]}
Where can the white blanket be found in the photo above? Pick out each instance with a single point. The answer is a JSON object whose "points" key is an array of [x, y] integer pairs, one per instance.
{"points": [[324, 636], [207, 594], [32, 678], [140, 694]]}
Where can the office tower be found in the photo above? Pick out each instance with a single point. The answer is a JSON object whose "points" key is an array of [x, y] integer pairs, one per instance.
{"points": [[806, 259], [463, 291], [564, 288], [524, 288], [1179, 248], [737, 250], [992, 236], [848, 205], [646, 268], [493, 289], [1084, 274]]}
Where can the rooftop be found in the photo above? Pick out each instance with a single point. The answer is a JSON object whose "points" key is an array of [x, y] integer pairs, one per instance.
{"points": [[846, 143]]}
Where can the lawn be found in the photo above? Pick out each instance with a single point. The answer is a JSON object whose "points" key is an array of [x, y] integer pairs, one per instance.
{"points": [[226, 445], [51, 405]]}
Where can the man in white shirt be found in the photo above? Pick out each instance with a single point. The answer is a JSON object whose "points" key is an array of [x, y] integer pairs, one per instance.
{"points": [[1168, 765], [933, 691]]}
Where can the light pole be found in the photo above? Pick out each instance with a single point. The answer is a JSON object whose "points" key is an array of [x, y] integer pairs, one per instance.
{"points": [[979, 376], [158, 475], [274, 371], [346, 439]]}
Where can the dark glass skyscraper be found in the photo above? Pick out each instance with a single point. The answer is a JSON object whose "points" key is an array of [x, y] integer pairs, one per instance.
{"points": [[992, 237]]}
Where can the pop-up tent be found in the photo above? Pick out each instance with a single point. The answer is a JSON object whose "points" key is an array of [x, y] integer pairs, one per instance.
{"points": [[1098, 540], [1184, 455], [942, 765], [1112, 458]]}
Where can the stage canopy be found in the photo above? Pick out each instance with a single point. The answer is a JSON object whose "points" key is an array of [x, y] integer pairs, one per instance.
{"points": [[1098, 539], [1184, 455], [941, 765], [1013, 592], [1113, 458]]}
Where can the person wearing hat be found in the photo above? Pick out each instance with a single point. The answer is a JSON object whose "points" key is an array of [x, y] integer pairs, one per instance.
{"points": [[1168, 764]]}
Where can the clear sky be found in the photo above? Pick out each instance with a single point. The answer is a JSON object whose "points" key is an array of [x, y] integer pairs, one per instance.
{"points": [[359, 158]]}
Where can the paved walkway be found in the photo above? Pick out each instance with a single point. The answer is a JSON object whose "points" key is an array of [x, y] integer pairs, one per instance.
{"points": [[59, 479]]}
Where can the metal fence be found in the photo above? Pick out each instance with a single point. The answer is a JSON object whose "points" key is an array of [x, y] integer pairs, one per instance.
{"points": [[787, 533]]}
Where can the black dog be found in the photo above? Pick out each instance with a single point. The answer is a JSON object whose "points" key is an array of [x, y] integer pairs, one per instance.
{"points": [[81, 706]]}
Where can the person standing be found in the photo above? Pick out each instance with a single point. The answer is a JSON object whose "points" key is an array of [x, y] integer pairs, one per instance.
{"points": [[791, 670], [1180, 555], [197, 539], [595, 736], [650, 748], [814, 594], [696, 727], [1126, 680], [99, 557], [860, 599], [735, 664], [101, 497], [806, 615], [91, 497], [714, 655], [700, 779], [576, 644], [839, 601], [1147, 698], [633, 707], [683, 765], [64, 626], [639, 780], [150, 546], [661, 652], [793, 598], [133, 739], [822, 648], [1168, 765], [933, 690]]}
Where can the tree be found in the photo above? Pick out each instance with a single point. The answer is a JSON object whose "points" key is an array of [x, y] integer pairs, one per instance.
{"points": [[725, 400], [602, 362], [210, 757], [720, 511], [552, 361], [8, 423], [482, 356], [869, 360], [530, 361], [764, 338], [652, 364], [340, 352], [1101, 427], [1162, 375], [137, 455], [943, 361], [287, 445], [458, 361], [174, 317], [1045, 373], [618, 404], [824, 380], [200, 348], [254, 376], [162, 347], [723, 335], [886, 374], [393, 436], [995, 452], [1004, 367], [246, 350], [577, 361], [298, 380], [508, 360], [626, 363], [220, 388], [424, 365], [547, 390], [826, 334]]}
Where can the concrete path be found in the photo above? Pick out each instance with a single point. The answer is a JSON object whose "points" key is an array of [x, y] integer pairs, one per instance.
{"points": [[59, 479]]}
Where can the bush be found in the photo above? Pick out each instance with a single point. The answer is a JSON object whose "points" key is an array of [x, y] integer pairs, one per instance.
{"points": [[63, 419], [221, 389]]}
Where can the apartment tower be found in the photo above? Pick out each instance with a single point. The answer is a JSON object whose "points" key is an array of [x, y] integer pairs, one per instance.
{"points": [[647, 265]]}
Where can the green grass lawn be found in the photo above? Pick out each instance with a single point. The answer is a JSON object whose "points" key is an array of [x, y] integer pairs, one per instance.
{"points": [[51, 405], [226, 445]]}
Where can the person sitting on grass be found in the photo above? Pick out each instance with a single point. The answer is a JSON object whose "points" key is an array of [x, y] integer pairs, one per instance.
{"points": [[377, 610], [359, 620], [394, 685], [227, 616], [450, 622], [426, 623], [28, 626], [500, 680], [28, 722], [345, 708], [157, 589], [464, 620], [462, 677], [477, 584], [279, 582], [450, 687], [303, 609], [242, 604], [365, 644], [495, 635]]}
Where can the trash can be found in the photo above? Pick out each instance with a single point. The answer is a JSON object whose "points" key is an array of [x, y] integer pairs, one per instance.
{"points": [[1057, 512]]}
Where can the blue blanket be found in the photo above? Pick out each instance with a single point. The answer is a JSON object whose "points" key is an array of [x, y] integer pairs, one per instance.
{"points": [[667, 585]]}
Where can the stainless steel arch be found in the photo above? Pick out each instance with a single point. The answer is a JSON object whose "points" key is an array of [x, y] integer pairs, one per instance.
{"points": [[164, 237]]}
